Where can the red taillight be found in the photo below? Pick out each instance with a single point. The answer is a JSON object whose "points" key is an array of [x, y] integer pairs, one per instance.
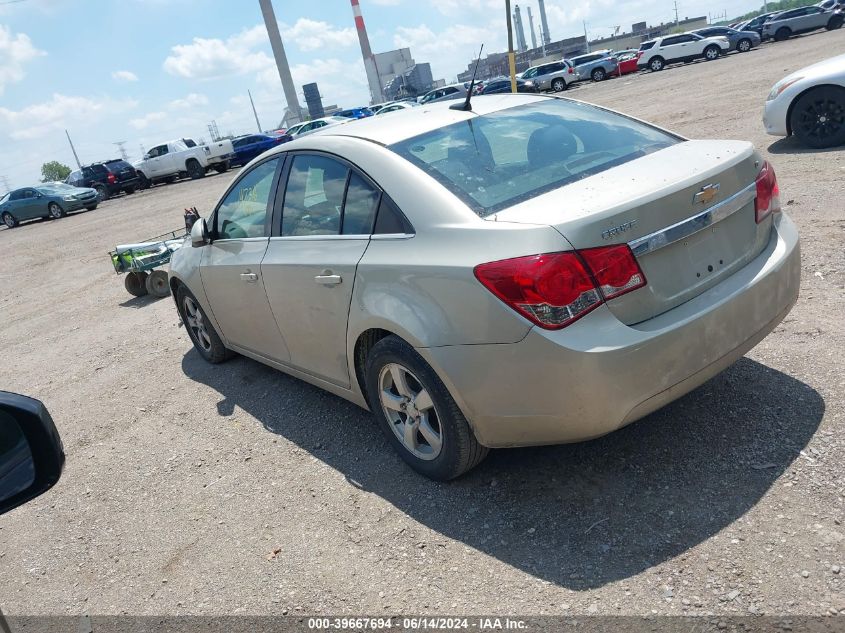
{"points": [[768, 193], [111, 179], [571, 70], [556, 289]]}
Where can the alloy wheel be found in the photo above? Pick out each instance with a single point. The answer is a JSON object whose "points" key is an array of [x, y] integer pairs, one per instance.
{"points": [[196, 323], [744, 46], [54, 210], [821, 118], [8, 220], [410, 411]]}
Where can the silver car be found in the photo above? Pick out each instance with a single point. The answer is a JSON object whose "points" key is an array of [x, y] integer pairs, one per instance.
{"points": [[801, 20], [536, 270], [552, 76]]}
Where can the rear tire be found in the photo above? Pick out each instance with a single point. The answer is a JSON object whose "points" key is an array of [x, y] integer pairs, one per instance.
{"points": [[712, 52], [55, 211], [559, 85], [157, 284], [656, 64], [783, 33], [817, 118], [9, 220], [129, 191], [222, 168], [203, 335], [598, 74], [744, 45], [436, 439], [195, 170], [135, 284]]}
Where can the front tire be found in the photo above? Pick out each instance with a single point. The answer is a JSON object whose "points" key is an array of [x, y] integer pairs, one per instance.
{"points": [[657, 64], [203, 335], [144, 182], [559, 85], [102, 192], [835, 23], [712, 53], [598, 74], [195, 170], [9, 220], [91, 208], [419, 416], [817, 118], [55, 211], [744, 45], [222, 168]]}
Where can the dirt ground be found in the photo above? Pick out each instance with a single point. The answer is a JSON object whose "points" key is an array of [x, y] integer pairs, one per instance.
{"points": [[235, 489]]}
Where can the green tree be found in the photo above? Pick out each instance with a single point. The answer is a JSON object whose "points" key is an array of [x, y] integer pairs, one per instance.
{"points": [[54, 170]]}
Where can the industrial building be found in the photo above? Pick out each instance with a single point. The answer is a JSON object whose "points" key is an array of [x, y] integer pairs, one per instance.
{"points": [[401, 76]]}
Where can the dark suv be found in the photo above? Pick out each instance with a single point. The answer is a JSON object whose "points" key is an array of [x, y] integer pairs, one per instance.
{"points": [[107, 178]]}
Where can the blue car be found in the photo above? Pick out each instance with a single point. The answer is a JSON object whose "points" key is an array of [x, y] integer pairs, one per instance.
{"points": [[355, 113], [252, 145]]}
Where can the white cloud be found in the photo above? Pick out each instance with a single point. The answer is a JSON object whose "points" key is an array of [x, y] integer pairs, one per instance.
{"points": [[311, 35], [16, 50], [450, 50], [211, 58], [124, 75], [40, 119], [191, 100], [145, 121]]}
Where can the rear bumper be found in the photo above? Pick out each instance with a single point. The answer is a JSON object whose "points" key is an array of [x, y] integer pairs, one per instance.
{"points": [[598, 374]]}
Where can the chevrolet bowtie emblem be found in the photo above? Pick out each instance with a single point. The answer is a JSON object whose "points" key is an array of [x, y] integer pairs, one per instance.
{"points": [[707, 194]]}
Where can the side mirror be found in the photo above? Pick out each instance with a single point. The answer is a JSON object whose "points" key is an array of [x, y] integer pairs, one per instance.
{"points": [[31, 452], [199, 233], [38, 194]]}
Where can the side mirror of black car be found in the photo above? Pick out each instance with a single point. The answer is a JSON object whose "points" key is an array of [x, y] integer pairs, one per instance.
{"points": [[31, 452]]}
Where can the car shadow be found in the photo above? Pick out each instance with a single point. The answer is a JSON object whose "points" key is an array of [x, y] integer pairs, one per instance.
{"points": [[579, 515], [140, 302], [791, 145]]}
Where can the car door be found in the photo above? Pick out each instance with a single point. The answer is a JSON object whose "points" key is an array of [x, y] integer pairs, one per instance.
{"points": [[327, 213], [154, 161], [814, 18], [230, 267], [30, 205]]}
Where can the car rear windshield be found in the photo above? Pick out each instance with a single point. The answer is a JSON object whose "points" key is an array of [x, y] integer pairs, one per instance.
{"points": [[498, 160], [117, 165]]}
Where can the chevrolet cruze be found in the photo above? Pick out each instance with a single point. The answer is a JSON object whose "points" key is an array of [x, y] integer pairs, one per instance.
{"points": [[532, 270]]}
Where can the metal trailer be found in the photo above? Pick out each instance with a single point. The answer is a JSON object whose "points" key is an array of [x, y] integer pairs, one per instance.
{"points": [[141, 262]]}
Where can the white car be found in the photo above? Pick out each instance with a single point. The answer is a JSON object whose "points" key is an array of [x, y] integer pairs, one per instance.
{"points": [[810, 104], [183, 157], [306, 127], [399, 105], [686, 47]]}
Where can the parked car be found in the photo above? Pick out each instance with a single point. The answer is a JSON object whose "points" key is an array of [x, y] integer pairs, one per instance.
{"points": [[832, 4], [312, 126], [598, 65], [183, 157], [686, 47], [399, 105], [248, 147], [810, 104], [627, 61], [552, 76], [740, 41], [503, 85], [51, 200], [801, 20], [445, 93], [756, 24], [108, 178], [356, 113], [423, 265]]}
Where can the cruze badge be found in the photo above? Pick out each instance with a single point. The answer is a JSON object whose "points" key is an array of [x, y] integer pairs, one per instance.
{"points": [[707, 194], [616, 230]]}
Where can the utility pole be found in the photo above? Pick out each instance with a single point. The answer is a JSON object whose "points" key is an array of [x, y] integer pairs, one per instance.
{"points": [[73, 149], [121, 149], [511, 58], [586, 38], [676, 13], [252, 103], [281, 58]]}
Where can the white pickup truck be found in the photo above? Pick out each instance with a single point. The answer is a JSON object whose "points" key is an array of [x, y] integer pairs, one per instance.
{"points": [[181, 158]]}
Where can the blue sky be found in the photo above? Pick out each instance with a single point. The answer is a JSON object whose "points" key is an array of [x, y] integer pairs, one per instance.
{"points": [[145, 71]]}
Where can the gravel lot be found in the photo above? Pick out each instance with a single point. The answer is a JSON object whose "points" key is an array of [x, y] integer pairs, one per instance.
{"points": [[235, 489]]}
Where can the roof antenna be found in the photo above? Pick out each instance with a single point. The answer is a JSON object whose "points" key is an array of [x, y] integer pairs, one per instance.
{"points": [[466, 106]]}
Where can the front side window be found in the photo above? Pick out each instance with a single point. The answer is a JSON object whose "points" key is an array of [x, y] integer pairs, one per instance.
{"points": [[497, 160], [243, 212], [314, 196]]}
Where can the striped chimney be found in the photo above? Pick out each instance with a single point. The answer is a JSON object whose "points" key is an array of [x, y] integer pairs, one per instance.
{"points": [[369, 59]]}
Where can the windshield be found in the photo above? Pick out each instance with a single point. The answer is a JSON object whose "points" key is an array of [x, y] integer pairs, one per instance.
{"points": [[56, 187], [497, 160]]}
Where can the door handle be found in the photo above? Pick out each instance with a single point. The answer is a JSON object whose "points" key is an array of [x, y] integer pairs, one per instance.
{"points": [[250, 278], [328, 280]]}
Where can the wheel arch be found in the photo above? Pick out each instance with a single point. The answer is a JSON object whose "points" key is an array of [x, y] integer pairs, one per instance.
{"points": [[801, 94]]}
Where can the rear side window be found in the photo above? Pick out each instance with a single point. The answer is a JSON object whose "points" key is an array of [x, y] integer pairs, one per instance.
{"points": [[359, 207], [500, 159], [390, 219], [646, 45]]}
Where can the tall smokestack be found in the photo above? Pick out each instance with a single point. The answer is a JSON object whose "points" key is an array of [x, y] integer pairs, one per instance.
{"points": [[281, 58], [531, 25], [544, 24], [369, 60], [520, 32]]}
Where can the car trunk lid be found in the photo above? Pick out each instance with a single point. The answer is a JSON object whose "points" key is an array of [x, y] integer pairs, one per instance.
{"points": [[687, 212]]}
